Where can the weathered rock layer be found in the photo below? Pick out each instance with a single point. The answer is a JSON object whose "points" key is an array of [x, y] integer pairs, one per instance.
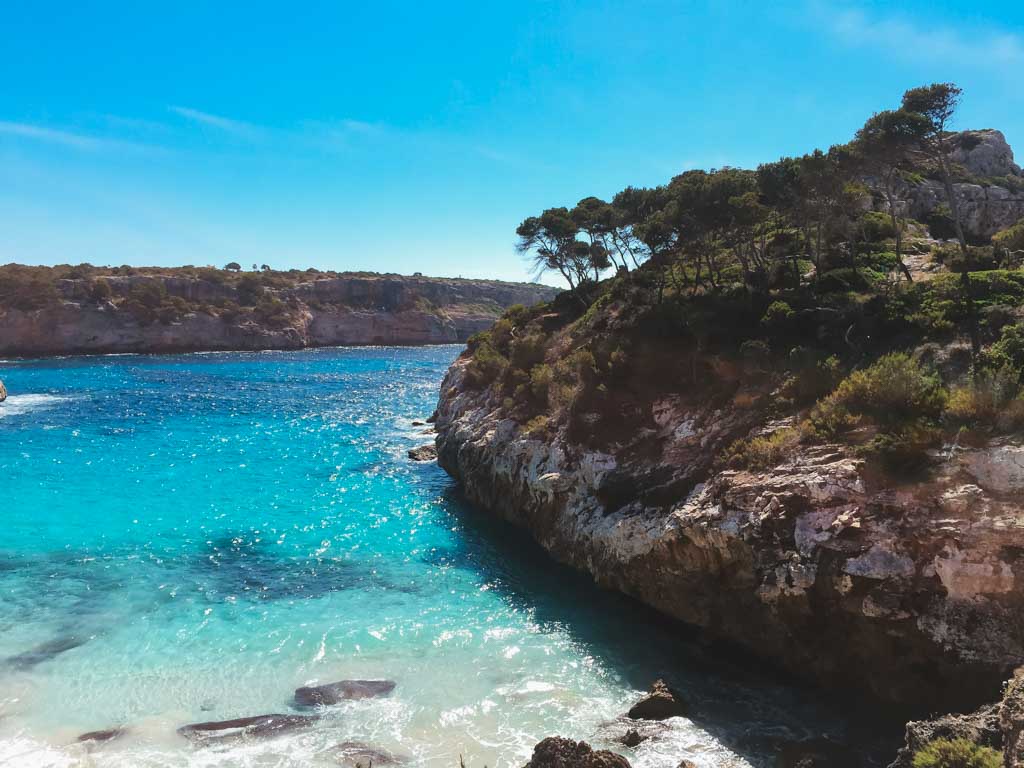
{"points": [[911, 592]]}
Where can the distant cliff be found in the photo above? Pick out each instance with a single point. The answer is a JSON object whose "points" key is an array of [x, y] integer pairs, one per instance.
{"points": [[70, 310]]}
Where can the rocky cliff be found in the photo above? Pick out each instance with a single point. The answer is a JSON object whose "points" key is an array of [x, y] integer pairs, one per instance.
{"points": [[914, 591], [990, 190], [157, 312]]}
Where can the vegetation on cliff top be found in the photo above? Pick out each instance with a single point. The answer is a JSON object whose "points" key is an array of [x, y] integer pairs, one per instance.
{"points": [[798, 290], [263, 295]]}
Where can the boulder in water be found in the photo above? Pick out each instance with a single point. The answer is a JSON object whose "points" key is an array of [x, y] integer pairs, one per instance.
{"points": [[259, 726], [3, 392], [660, 704], [556, 752], [355, 753], [343, 690], [426, 452]]}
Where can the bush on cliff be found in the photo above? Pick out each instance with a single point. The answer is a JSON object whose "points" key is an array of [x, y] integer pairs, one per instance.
{"points": [[893, 392], [957, 753]]}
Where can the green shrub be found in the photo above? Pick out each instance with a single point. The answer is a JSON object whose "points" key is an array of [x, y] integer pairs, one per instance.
{"points": [[895, 390], [100, 290], [765, 451], [877, 226], [541, 379], [991, 398], [1008, 352], [812, 378], [904, 451], [528, 351], [958, 753], [486, 367], [1010, 239], [779, 316]]}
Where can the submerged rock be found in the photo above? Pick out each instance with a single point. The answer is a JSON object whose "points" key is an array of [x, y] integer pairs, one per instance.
{"points": [[556, 752], [423, 453], [660, 704], [259, 726], [45, 651], [356, 753], [631, 733], [343, 690], [100, 736]]}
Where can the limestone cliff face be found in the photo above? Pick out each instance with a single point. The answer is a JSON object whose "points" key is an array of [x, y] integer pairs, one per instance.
{"points": [[327, 312], [914, 593]]}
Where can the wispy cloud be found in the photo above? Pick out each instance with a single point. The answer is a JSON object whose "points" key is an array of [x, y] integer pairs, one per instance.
{"points": [[991, 48], [226, 124], [71, 139]]}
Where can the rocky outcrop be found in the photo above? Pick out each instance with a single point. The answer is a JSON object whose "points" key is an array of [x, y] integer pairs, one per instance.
{"points": [[556, 752], [423, 453], [3, 392], [660, 703], [327, 312], [992, 203], [912, 592], [984, 153]]}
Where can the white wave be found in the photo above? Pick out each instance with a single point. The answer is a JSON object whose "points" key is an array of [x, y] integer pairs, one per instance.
{"points": [[18, 405]]}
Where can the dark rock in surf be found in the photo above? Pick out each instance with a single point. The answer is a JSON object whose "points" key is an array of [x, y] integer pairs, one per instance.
{"points": [[343, 690], [632, 738], [356, 753], [660, 704], [556, 752], [426, 452], [260, 726], [419, 423], [100, 736]]}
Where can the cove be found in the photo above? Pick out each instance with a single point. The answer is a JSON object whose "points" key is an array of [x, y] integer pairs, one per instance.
{"points": [[191, 538]]}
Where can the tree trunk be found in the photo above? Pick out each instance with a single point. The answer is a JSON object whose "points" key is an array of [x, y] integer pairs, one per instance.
{"points": [[891, 198], [965, 276]]}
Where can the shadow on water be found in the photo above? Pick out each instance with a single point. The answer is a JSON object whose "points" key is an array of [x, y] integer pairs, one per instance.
{"points": [[740, 700]]}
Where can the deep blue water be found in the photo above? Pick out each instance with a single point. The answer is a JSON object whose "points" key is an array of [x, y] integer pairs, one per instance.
{"points": [[192, 537]]}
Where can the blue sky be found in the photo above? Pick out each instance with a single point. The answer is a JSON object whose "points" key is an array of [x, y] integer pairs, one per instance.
{"points": [[415, 136]]}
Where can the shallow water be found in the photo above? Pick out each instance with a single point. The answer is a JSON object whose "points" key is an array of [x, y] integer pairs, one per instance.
{"points": [[191, 537]]}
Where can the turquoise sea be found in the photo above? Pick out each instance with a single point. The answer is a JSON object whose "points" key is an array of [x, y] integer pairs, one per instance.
{"points": [[191, 537]]}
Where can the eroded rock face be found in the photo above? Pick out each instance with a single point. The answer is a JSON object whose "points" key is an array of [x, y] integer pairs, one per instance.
{"points": [[343, 690], [556, 752], [809, 564]]}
